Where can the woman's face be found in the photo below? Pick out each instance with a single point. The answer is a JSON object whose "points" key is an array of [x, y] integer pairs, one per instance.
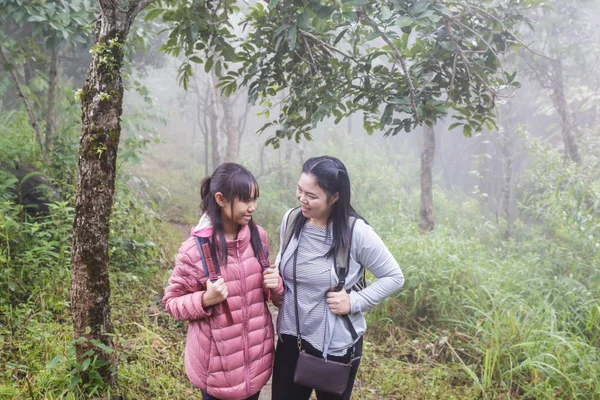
{"points": [[314, 201], [242, 210]]}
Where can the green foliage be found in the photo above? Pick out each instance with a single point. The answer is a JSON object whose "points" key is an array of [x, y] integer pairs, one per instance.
{"points": [[198, 31], [402, 66]]}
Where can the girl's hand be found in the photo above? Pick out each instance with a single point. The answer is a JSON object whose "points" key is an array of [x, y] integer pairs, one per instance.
{"points": [[215, 293], [338, 302], [271, 277]]}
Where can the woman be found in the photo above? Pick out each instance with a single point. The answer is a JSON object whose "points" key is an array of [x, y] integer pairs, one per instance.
{"points": [[316, 316], [230, 340]]}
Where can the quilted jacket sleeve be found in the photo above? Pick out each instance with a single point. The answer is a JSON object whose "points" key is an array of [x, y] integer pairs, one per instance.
{"points": [[183, 294]]}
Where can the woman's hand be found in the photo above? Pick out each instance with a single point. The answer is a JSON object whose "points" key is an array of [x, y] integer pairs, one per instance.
{"points": [[338, 302], [215, 293], [271, 277]]}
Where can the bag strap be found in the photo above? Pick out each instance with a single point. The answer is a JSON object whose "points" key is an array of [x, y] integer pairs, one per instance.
{"points": [[209, 263], [293, 216], [261, 256], [211, 268], [344, 317], [341, 263], [263, 260]]}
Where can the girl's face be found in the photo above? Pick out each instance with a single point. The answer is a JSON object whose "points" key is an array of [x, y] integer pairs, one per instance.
{"points": [[314, 201], [240, 213]]}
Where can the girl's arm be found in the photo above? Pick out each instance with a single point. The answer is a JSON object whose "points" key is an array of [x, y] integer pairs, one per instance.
{"points": [[184, 292], [372, 254]]}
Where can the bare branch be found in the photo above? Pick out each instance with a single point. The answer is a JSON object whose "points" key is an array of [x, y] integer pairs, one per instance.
{"points": [[324, 44]]}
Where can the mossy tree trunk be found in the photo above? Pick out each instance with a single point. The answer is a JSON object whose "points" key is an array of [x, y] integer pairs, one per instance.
{"points": [[102, 100]]}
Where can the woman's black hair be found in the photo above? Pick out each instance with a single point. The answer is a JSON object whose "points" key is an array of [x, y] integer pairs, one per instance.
{"points": [[331, 175], [234, 182]]}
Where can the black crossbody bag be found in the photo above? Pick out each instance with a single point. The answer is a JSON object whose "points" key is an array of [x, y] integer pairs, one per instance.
{"points": [[318, 372]]}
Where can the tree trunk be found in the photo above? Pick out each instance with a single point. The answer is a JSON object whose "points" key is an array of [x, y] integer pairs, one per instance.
{"points": [[507, 136], [52, 76], [426, 217], [215, 134], [232, 148], [564, 111], [102, 100]]}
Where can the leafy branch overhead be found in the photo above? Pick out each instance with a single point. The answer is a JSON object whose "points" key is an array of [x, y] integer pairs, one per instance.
{"points": [[401, 62]]}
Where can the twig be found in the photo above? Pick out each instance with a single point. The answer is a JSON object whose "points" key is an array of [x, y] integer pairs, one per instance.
{"points": [[324, 44], [462, 55], [507, 31], [397, 58], [451, 87], [310, 56]]}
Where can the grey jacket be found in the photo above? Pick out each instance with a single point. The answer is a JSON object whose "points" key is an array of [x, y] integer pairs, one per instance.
{"points": [[366, 250]]}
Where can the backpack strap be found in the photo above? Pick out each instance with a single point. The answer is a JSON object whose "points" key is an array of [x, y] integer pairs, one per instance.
{"points": [[210, 265], [289, 228], [261, 256], [263, 260], [341, 263]]}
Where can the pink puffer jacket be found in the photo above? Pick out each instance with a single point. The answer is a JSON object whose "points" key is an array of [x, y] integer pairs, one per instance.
{"points": [[229, 361]]}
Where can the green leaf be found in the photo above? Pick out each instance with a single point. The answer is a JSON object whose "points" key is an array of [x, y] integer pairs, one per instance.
{"points": [[468, 131], [272, 4], [340, 36], [403, 21], [152, 14], [449, 46], [420, 6], [37, 18], [196, 59], [209, 64], [54, 362], [85, 364], [350, 16], [292, 35], [218, 68], [386, 13], [304, 21], [454, 125]]}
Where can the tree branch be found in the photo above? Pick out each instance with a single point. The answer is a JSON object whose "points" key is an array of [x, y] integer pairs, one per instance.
{"points": [[138, 6], [487, 14], [466, 62], [324, 44], [30, 113], [397, 58]]}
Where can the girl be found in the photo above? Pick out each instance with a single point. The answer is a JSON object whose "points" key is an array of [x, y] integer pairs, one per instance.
{"points": [[314, 318], [230, 341]]}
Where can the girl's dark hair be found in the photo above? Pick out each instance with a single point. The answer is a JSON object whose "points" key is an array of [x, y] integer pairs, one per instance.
{"points": [[331, 175], [234, 182]]}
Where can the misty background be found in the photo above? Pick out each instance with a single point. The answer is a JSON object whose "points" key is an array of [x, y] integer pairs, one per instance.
{"points": [[503, 276]]}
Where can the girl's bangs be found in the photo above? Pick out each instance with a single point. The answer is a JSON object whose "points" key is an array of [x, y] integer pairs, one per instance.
{"points": [[244, 187]]}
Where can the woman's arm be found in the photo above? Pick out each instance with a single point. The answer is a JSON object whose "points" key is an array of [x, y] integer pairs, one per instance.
{"points": [[372, 254], [184, 292]]}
